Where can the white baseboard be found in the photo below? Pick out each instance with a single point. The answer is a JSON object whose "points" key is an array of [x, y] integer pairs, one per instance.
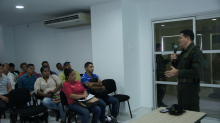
{"points": [[127, 113]]}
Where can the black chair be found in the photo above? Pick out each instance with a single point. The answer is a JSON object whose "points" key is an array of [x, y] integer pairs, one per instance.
{"points": [[18, 99], [111, 87], [16, 85], [69, 112], [37, 97]]}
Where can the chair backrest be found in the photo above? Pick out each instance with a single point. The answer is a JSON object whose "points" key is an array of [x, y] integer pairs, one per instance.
{"points": [[63, 99], [16, 85], [19, 97], [109, 85]]}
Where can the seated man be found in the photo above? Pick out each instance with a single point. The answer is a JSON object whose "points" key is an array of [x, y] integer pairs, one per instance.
{"points": [[60, 68], [28, 79], [5, 88], [85, 80], [46, 64], [9, 75], [23, 67], [66, 65], [12, 70]]}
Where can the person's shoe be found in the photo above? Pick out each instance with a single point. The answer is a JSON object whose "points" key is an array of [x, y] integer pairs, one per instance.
{"points": [[161, 104]]}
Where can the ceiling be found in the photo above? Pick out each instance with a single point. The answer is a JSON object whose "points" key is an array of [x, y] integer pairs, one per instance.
{"points": [[39, 10]]}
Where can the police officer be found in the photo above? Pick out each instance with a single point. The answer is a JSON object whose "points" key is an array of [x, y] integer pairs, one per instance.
{"points": [[187, 67], [161, 68]]}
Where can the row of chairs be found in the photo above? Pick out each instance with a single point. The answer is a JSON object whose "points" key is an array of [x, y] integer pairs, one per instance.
{"points": [[18, 99]]}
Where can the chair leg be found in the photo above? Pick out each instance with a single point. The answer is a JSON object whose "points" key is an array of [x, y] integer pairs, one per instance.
{"points": [[58, 115], [129, 108], [118, 107], [4, 115], [110, 109]]}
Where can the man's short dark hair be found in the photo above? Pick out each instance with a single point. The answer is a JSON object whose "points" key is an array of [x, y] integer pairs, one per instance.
{"points": [[158, 45], [4, 64], [23, 64], [57, 64], [188, 33], [11, 65], [0, 64], [29, 65], [87, 64], [44, 62]]}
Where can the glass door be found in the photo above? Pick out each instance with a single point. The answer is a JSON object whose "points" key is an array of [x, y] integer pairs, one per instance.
{"points": [[166, 34]]}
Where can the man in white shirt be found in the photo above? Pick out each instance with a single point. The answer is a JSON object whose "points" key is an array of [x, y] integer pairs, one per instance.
{"points": [[9, 75], [60, 68]]}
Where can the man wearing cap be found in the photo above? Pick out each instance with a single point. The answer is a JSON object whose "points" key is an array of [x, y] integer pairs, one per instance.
{"points": [[66, 65]]}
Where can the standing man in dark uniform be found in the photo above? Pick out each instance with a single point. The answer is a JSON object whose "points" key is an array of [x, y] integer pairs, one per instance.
{"points": [[161, 68], [188, 68]]}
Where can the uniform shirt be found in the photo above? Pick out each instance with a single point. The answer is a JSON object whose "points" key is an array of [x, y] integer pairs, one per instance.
{"points": [[22, 73], [48, 85], [86, 78], [4, 81], [59, 71], [63, 77], [193, 67], [72, 88], [26, 82], [51, 72]]}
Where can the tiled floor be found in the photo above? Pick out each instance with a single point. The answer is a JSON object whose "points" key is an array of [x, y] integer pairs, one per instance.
{"points": [[121, 119]]}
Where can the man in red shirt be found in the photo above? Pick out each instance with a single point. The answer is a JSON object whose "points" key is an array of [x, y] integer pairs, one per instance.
{"points": [[23, 67]]}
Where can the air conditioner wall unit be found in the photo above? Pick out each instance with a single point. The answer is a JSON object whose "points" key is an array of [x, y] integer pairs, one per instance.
{"points": [[78, 19]]}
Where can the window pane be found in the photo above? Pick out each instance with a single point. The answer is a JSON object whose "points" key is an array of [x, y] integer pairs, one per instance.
{"points": [[208, 33], [167, 34], [209, 98], [163, 64], [211, 71]]}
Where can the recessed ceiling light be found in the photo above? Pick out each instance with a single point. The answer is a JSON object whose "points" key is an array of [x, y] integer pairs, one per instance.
{"points": [[214, 19], [162, 25], [19, 7]]}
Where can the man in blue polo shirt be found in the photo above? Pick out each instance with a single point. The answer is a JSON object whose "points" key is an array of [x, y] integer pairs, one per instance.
{"points": [[28, 79], [85, 80]]}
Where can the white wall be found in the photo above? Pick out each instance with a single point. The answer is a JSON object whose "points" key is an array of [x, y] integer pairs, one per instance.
{"points": [[131, 49], [163, 9], [9, 47], [1, 46], [36, 43], [114, 29], [107, 42]]}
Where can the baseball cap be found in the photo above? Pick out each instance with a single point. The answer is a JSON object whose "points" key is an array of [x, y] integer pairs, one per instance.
{"points": [[65, 63], [176, 110]]}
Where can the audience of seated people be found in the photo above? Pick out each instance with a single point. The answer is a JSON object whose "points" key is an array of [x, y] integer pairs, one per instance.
{"points": [[73, 89], [66, 65], [9, 75], [12, 70], [23, 67], [46, 64], [85, 80], [60, 68], [5, 88], [46, 86]]}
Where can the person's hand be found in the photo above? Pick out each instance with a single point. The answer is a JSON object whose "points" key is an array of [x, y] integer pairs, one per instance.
{"points": [[91, 84], [172, 72], [48, 95], [31, 94], [103, 87], [173, 56], [5, 99]]}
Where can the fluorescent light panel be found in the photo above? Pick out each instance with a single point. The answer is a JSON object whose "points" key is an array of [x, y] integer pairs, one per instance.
{"points": [[19, 7]]}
